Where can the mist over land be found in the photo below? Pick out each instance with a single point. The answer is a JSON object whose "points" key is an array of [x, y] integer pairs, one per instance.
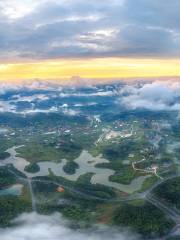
{"points": [[89, 120], [44, 119], [33, 226]]}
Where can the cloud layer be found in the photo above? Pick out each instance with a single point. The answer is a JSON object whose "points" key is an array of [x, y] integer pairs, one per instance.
{"points": [[49, 97], [34, 226], [153, 96], [72, 28]]}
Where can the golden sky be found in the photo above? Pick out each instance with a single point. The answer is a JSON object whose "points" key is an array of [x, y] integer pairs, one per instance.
{"points": [[98, 68]]}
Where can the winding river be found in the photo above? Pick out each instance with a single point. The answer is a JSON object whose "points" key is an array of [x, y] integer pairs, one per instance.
{"points": [[87, 164]]}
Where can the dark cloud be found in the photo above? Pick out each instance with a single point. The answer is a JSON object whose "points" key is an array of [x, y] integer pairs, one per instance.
{"points": [[53, 29]]}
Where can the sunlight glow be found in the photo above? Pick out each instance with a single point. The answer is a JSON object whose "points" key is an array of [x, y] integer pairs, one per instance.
{"points": [[91, 68]]}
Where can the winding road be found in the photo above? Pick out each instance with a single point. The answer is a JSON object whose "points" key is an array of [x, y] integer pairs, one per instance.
{"points": [[172, 213], [147, 195]]}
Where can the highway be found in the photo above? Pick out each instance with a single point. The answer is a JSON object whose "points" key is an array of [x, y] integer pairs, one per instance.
{"points": [[147, 195]]}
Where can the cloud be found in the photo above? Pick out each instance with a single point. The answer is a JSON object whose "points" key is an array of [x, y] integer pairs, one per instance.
{"points": [[6, 87], [94, 94], [15, 9], [6, 107], [34, 226], [52, 29], [152, 95], [37, 110], [70, 112], [31, 85], [156, 95], [35, 97]]}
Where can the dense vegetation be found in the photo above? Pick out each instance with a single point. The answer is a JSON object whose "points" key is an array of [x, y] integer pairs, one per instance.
{"points": [[70, 167], [169, 191], [32, 168], [145, 219], [4, 155], [6, 178], [11, 207]]}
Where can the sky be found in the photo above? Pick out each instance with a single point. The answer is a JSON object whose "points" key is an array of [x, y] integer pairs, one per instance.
{"points": [[60, 39]]}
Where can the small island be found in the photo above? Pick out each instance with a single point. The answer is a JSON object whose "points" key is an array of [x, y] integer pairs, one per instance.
{"points": [[32, 168], [70, 167]]}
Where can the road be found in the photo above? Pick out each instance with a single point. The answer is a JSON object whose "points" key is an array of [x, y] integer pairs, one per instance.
{"points": [[174, 214]]}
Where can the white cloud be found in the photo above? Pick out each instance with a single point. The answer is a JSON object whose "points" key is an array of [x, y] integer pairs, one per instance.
{"points": [[37, 227], [37, 110], [6, 107], [35, 97], [155, 95], [15, 9], [158, 95], [93, 94], [4, 87], [31, 85], [70, 112]]}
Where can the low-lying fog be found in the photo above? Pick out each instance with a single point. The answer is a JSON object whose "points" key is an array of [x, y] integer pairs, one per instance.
{"points": [[33, 226]]}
